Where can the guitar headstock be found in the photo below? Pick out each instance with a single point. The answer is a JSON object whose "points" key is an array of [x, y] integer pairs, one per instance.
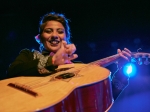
{"points": [[139, 57]]}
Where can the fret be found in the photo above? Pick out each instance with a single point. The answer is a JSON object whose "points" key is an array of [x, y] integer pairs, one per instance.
{"points": [[107, 61]]}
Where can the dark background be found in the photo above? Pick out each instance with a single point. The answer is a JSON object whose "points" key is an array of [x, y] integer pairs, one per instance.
{"points": [[98, 28]]}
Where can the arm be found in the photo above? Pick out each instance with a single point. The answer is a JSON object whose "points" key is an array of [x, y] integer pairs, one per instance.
{"points": [[25, 65]]}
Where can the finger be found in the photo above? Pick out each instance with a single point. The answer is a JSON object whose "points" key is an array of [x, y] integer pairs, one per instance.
{"points": [[127, 50], [126, 58], [43, 71], [118, 50], [72, 57], [122, 55], [126, 53], [63, 44], [39, 71], [70, 49]]}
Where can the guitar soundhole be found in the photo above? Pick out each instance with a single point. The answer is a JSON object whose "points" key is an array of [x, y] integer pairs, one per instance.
{"points": [[65, 76]]}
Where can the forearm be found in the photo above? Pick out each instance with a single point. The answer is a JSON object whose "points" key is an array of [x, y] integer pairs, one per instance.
{"points": [[28, 64], [23, 69]]}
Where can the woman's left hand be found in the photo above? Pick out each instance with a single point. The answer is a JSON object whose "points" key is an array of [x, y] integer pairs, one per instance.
{"points": [[125, 55]]}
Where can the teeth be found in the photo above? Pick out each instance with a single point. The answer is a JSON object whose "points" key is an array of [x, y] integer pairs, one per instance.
{"points": [[54, 41]]}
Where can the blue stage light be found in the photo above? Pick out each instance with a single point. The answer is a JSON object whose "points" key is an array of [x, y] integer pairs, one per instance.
{"points": [[129, 69]]}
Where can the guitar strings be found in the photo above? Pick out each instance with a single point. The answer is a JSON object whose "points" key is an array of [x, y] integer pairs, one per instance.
{"points": [[39, 81], [45, 80]]}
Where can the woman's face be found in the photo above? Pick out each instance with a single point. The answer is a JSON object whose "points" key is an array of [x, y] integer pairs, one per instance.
{"points": [[52, 35]]}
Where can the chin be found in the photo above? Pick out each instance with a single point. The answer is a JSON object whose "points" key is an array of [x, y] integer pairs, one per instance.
{"points": [[54, 49]]}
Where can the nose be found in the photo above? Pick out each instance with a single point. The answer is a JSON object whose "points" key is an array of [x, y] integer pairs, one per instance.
{"points": [[55, 35]]}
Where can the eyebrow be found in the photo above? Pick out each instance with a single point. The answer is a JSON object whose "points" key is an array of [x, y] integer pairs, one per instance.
{"points": [[57, 28]]}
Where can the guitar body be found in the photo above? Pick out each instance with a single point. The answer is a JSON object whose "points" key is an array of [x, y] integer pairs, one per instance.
{"points": [[86, 90]]}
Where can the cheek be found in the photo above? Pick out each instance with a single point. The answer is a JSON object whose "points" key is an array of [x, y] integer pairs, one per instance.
{"points": [[63, 37], [43, 38]]}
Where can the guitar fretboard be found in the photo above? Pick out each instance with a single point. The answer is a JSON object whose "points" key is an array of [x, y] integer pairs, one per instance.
{"points": [[106, 61]]}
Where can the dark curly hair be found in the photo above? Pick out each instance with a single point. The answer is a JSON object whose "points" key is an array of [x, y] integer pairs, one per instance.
{"points": [[56, 17]]}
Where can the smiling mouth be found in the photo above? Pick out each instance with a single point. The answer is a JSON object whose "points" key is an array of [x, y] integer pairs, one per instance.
{"points": [[54, 42]]}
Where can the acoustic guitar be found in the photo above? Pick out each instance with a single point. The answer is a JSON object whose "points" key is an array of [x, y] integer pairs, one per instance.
{"points": [[72, 88]]}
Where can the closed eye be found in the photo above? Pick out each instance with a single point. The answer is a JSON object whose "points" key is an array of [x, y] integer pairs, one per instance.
{"points": [[48, 30], [60, 31]]}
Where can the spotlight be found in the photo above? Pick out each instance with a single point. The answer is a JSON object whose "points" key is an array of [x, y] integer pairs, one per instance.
{"points": [[129, 69]]}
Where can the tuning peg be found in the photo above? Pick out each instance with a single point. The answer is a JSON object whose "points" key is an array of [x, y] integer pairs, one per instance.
{"points": [[133, 59], [140, 61], [146, 62]]}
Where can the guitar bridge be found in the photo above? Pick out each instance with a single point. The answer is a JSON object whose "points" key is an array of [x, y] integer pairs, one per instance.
{"points": [[23, 88]]}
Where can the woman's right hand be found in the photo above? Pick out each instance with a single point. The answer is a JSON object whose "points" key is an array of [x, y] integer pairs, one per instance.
{"points": [[65, 54]]}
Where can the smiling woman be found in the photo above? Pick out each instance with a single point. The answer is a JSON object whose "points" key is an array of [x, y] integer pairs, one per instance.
{"points": [[53, 33], [61, 76], [55, 48]]}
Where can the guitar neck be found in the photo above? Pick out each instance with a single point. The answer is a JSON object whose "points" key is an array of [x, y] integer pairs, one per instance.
{"points": [[107, 61]]}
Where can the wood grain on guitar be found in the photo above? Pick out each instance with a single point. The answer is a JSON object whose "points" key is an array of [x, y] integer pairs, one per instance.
{"points": [[88, 89], [73, 88]]}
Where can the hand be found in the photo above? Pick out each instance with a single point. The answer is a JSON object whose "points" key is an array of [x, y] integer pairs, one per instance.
{"points": [[124, 54], [43, 71], [119, 80], [65, 54]]}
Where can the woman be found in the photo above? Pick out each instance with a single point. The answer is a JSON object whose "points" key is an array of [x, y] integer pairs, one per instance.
{"points": [[55, 50], [54, 39]]}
